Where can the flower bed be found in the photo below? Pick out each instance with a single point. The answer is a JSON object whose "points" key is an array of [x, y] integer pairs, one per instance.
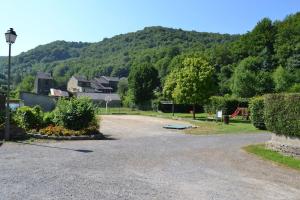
{"points": [[72, 119]]}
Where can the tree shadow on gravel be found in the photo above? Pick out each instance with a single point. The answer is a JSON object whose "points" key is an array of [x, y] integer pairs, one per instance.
{"points": [[53, 147]]}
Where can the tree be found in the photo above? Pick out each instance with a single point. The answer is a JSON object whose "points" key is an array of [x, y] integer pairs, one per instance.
{"points": [[27, 84], [143, 79], [193, 83], [283, 79], [250, 79], [123, 88], [224, 78]]}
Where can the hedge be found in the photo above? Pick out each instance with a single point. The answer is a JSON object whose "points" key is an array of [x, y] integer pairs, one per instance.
{"points": [[227, 104], [256, 107], [282, 113]]}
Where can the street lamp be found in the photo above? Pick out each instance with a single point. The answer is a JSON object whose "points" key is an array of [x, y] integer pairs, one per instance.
{"points": [[10, 36]]}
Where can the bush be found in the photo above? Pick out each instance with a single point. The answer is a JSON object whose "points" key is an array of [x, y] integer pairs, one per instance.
{"points": [[74, 114], [256, 106], [29, 118], [282, 113], [48, 118], [227, 104]]}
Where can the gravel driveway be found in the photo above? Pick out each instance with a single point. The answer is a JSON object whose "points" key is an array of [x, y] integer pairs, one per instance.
{"points": [[144, 161]]}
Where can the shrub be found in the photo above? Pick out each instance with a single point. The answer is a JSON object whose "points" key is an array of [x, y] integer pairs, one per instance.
{"points": [[295, 88], [282, 113], [48, 118], [227, 104], [29, 118], [256, 106], [74, 114]]}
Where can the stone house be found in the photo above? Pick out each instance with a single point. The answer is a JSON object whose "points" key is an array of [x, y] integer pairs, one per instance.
{"points": [[43, 83], [79, 84]]}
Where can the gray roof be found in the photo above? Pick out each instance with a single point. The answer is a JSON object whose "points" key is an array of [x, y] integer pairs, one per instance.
{"points": [[109, 78], [95, 84], [101, 80], [81, 78], [99, 96], [43, 75]]}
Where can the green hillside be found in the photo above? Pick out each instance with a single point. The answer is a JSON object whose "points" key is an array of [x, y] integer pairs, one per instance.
{"points": [[265, 59], [112, 56]]}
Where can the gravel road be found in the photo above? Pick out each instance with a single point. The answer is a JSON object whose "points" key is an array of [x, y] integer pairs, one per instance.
{"points": [[144, 161]]}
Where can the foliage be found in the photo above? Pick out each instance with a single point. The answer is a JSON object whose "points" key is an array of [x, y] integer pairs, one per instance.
{"points": [[282, 79], [295, 88], [238, 60], [256, 107], [123, 88], [27, 84], [48, 118], [227, 104], [74, 114], [194, 83], [282, 113], [29, 118], [143, 79], [251, 79]]}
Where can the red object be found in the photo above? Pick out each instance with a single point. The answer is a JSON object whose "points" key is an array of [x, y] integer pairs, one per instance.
{"points": [[236, 113]]}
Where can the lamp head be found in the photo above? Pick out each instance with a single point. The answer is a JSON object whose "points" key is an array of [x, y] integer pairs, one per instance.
{"points": [[10, 36]]}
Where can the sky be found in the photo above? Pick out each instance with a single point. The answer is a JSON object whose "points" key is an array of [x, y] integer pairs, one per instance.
{"points": [[42, 21]]}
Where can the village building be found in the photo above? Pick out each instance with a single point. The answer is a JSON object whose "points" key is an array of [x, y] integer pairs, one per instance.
{"points": [[79, 84], [43, 83], [108, 81]]}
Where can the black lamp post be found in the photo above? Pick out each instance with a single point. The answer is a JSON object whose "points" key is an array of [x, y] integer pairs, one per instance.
{"points": [[10, 36]]}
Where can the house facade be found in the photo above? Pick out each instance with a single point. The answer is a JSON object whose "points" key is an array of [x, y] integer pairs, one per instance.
{"points": [[79, 84], [103, 84], [43, 83]]}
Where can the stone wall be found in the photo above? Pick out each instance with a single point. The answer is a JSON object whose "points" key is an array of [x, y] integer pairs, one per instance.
{"points": [[286, 144]]}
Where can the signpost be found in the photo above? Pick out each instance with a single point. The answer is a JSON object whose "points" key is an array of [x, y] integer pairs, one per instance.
{"points": [[107, 100]]}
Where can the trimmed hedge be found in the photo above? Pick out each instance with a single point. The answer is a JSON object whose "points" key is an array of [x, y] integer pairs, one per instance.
{"points": [[256, 106], [227, 104], [282, 113]]}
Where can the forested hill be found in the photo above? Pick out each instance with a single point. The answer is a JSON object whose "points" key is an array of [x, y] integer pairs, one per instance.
{"points": [[113, 56], [265, 59]]}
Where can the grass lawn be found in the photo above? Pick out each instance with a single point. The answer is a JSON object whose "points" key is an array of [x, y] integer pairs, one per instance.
{"points": [[274, 156], [202, 122], [211, 127]]}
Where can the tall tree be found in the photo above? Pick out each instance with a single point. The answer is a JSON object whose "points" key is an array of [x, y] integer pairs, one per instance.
{"points": [[27, 84], [250, 79], [194, 82], [283, 79], [143, 79]]}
